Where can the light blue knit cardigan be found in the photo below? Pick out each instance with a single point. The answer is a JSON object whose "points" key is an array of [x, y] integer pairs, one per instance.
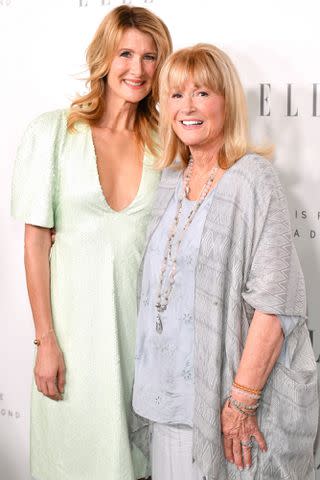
{"points": [[247, 262]]}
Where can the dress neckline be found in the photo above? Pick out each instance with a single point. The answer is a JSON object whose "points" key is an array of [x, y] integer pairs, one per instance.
{"points": [[102, 196]]}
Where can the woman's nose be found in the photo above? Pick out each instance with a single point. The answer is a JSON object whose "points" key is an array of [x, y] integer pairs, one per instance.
{"points": [[136, 66], [188, 104]]}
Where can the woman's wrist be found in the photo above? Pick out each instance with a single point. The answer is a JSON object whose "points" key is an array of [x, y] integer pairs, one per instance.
{"points": [[243, 397], [40, 339], [246, 387]]}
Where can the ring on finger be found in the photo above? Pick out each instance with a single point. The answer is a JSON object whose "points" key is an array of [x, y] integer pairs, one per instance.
{"points": [[247, 444]]}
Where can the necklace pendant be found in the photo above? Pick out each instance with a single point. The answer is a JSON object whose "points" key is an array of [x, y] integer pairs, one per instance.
{"points": [[159, 327]]}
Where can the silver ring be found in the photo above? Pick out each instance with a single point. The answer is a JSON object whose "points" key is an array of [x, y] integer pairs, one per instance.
{"points": [[248, 444]]}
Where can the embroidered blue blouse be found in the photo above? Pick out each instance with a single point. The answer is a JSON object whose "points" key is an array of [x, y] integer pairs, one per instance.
{"points": [[163, 390]]}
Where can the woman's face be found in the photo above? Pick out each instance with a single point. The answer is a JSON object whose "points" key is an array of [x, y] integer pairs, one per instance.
{"points": [[196, 115], [132, 68]]}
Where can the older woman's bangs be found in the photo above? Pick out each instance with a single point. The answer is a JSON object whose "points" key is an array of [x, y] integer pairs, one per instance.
{"points": [[198, 67]]}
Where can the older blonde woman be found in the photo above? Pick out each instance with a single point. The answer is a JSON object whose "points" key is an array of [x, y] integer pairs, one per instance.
{"points": [[222, 342], [88, 173]]}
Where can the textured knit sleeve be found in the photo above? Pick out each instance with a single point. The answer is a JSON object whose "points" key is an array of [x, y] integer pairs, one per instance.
{"points": [[33, 185], [275, 282]]}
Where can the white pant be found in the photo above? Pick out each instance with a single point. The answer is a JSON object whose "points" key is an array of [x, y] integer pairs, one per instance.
{"points": [[171, 453]]}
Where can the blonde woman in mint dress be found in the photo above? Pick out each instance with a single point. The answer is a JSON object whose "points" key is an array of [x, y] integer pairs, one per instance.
{"points": [[88, 172]]}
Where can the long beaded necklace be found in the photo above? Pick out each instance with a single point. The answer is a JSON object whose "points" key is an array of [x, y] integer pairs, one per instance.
{"points": [[164, 293]]}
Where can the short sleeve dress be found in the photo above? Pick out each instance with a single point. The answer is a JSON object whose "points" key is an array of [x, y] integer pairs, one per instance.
{"points": [[94, 263]]}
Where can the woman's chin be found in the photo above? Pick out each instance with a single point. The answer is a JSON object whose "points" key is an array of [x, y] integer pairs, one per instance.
{"points": [[191, 139], [135, 95]]}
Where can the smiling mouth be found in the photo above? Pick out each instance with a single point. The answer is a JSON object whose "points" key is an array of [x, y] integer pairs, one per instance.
{"points": [[135, 84], [191, 123]]}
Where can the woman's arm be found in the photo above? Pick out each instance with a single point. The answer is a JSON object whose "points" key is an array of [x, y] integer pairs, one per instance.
{"points": [[261, 351], [49, 366]]}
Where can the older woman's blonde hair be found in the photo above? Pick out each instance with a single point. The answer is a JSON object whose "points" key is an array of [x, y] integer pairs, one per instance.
{"points": [[89, 108], [207, 66]]}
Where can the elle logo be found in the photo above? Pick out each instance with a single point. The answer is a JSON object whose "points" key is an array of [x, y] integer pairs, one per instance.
{"points": [[291, 109]]}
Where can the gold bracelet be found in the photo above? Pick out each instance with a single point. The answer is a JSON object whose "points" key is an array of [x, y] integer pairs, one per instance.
{"points": [[37, 341], [247, 389]]}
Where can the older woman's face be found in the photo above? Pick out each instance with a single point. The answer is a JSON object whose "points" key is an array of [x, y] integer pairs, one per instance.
{"points": [[196, 114]]}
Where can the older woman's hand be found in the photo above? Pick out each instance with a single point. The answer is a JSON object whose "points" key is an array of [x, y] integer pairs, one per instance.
{"points": [[238, 429]]}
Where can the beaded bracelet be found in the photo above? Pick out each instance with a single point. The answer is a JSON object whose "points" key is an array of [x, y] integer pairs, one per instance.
{"points": [[247, 389], [244, 405], [246, 413], [37, 341]]}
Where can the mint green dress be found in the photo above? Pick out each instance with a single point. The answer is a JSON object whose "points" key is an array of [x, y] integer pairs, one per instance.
{"points": [[94, 263]]}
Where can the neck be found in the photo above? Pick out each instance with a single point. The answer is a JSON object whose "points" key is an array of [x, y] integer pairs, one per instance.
{"points": [[204, 162], [119, 115], [205, 157]]}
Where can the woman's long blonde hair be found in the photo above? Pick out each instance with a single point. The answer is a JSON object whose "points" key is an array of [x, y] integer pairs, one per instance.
{"points": [[89, 108], [207, 66]]}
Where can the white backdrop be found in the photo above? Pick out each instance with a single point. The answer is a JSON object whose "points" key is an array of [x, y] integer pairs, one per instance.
{"points": [[276, 48]]}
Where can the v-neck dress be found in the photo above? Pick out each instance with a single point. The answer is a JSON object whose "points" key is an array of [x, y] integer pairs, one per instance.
{"points": [[94, 263]]}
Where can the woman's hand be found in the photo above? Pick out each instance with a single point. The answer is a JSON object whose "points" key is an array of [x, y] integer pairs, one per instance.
{"points": [[49, 370], [262, 348], [238, 429]]}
